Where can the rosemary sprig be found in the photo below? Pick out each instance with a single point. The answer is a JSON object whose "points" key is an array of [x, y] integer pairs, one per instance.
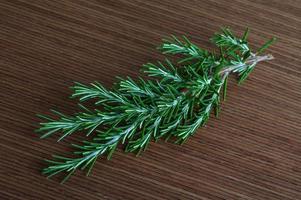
{"points": [[173, 106]]}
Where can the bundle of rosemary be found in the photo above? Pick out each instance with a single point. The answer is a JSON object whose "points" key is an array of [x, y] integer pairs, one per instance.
{"points": [[172, 106]]}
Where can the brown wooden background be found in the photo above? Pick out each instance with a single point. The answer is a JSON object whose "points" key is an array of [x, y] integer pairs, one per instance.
{"points": [[253, 151]]}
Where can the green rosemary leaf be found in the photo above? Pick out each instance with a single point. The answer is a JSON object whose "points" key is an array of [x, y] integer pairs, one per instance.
{"points": [[225, 88], [266, 45], [246, 34]]}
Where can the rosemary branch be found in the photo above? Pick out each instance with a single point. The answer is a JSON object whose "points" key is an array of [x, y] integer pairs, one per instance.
{"points": [[172, 106]]}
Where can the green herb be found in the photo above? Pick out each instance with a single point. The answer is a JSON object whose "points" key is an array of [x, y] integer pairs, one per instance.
{"points": [[172, 106]]}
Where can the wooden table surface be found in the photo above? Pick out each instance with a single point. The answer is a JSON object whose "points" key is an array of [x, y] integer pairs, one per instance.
{"points": [[252, 151]]}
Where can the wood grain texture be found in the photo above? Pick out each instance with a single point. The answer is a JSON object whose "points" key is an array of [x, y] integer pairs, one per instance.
{"points": [[252, 151]]}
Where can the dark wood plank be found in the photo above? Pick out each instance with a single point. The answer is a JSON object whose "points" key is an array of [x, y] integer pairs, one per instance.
{"points": [[251, 152]]}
